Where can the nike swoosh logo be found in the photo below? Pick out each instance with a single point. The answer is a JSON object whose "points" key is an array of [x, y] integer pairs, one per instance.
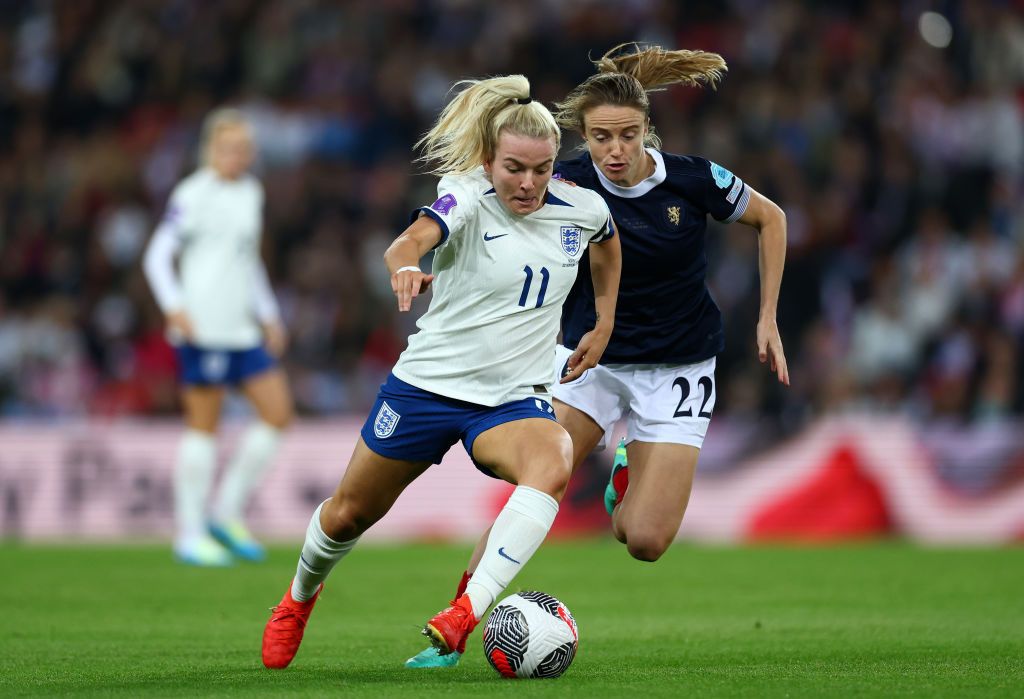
{"points": [[487, 236], [501, 549]]}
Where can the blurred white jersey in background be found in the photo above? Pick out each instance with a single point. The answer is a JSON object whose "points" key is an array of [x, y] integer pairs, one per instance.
{"points": [[214, 225]]}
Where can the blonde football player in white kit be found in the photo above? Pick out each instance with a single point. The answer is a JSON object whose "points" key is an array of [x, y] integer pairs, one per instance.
{"points": [[223, 318], [507, 243]]}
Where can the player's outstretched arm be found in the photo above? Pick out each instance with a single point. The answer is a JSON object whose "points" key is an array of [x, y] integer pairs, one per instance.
{"points": [[403, 258], [770, 221], [605, 269]]}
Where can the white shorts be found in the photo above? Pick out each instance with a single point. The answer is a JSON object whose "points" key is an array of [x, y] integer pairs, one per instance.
{"points": [[661, 402]]}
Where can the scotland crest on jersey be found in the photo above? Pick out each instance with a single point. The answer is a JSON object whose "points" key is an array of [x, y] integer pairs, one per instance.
{"points": [[386, 422], [572, 236]]}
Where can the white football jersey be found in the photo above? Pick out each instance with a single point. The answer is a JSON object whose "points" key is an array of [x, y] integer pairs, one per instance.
{"points": [[489, 334], [216, 225]]}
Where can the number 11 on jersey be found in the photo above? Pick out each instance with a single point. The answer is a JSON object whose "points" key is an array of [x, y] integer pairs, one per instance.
{"points": [[544, 276]]}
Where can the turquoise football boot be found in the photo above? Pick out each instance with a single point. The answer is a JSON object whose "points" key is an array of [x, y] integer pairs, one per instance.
{"points": [[237, 539], [430, 658], [619, 480]]}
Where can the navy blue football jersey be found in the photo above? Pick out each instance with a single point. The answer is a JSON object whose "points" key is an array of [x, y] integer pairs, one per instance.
{"points": [[665, 313]]}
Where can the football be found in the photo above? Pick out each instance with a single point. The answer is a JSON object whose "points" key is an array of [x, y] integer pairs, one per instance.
{"points": [[530, 634]]}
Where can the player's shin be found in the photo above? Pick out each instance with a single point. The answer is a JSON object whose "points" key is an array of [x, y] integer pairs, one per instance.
{"points": [[320, 554], [245, 471], [193, 475], [517, 533]]}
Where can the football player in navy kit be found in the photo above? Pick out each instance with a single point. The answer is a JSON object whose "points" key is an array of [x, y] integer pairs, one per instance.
{"points": [[658, 370]]}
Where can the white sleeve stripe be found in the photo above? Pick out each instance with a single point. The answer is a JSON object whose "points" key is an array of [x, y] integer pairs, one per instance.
{"points": [[264, 302], [741, 205], [158, 265], [606, 232]]}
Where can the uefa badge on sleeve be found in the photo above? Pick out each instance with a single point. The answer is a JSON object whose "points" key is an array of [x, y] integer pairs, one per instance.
{"points": [[445, 204], [571, 237], [386, 422]]}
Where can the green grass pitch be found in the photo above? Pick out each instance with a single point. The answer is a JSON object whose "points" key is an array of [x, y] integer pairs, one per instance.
{"points": [[864, 620]]}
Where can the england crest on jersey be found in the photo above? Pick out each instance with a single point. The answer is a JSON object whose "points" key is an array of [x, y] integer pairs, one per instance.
{"points": [[386, 422], [214, 365], [572, 237]]}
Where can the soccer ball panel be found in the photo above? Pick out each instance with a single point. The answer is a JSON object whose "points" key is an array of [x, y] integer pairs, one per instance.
{"points": [[505, 639], [557, 661], [530, 634]]}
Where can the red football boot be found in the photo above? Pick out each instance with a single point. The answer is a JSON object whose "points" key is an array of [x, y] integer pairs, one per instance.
{"points": [[450, 628], [283, 633]]}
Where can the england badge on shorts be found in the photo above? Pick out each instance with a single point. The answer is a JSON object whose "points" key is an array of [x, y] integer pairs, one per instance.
{"points": [[386, 422], [571, 237], [214, 365]]}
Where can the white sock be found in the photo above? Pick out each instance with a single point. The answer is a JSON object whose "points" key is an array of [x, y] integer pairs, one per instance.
{"points": [[193, 475], [320, 553], [245, 471], [516, 534]]}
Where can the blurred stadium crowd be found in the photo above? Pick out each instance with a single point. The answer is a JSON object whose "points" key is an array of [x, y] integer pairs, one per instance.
{"points": [[892, 138]]}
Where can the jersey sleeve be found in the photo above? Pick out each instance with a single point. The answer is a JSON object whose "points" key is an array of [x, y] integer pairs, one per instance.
{"points": [[170, 236], [606, 226], [264, 302], [451, 210], [725, 195], [179, 216]]}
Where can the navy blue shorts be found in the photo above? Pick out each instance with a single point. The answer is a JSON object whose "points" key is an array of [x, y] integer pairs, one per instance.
{"points": [[216, 367], [411, 424]]}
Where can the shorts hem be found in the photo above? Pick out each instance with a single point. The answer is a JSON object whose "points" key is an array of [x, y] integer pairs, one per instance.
{"points": [[684, 441], [393, 454], [582, 410]]}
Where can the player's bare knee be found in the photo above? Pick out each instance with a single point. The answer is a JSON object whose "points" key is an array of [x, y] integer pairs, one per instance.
{"points": [[644, 551], [559, 474], [555, 476], [280, 418], [551, 477], [340, 519], [550, 467], [647, 546]]}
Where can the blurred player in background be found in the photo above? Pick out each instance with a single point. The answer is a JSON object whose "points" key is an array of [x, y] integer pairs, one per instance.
{"points": [[658, 371], [507, 241], [224, 321]]}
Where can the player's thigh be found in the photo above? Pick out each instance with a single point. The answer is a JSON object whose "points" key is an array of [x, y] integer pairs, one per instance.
{"points": [[367, 491], [585, 433], [533, 451], [660, 481], [202, 405], [592, 404], [269, 395]]}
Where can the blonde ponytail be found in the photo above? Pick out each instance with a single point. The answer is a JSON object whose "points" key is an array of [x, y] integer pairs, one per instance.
{"points": [[467, 131]]}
